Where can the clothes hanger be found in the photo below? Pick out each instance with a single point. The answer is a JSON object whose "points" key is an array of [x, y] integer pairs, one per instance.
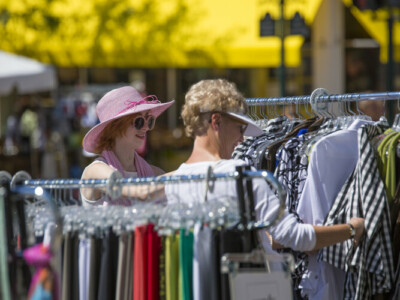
{"points": [[264, 118], [396, 122], [319, 108]]}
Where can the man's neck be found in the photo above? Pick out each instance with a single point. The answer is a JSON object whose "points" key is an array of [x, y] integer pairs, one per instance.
{"points": [[203, 150]]}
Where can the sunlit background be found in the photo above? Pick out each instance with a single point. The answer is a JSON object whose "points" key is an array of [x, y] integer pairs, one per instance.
{"points": [[58, 57]]}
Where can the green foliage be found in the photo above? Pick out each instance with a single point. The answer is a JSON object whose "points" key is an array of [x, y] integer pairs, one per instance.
{"points": [[101, 33]]}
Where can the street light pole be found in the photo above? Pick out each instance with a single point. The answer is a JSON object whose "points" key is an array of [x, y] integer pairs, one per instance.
{"points": [[282, 36], [389, 68]]}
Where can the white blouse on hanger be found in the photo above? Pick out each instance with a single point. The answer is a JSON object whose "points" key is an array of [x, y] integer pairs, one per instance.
{"points": [[332, 160]]}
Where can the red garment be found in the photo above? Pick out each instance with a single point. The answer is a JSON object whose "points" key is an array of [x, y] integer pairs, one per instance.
{"points": [[139, 264], [153, 262]]}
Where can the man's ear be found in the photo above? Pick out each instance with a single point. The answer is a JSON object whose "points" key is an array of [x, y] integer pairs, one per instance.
{"points": [[215, 120]]}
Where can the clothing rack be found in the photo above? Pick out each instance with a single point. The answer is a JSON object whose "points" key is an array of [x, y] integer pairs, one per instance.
{"points": [[324, 98], [319, 182], [21, 182]]}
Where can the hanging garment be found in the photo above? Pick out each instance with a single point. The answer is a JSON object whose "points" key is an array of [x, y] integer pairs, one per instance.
{"points": [[84, 268], [153, 263], [162, 270], [108, 267], [331, 162], [395, 293], [248, 150], [292, 171], [67, 268], [140, 264], [267, 156], [206, 281], [172, 266], [369, 268], [395, 221], [95, 263], [185, 264], [75, 268], [387, 162], [196, 267], [122, 265]]}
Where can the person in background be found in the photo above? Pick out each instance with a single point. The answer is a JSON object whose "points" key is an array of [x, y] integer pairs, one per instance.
{"points": [[374, 109], [125, 118], [214, 115]]}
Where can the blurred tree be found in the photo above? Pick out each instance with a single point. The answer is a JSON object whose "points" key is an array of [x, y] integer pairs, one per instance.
{"points": [[117, 33]]}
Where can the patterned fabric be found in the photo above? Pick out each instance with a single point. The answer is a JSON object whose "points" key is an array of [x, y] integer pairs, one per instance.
{"points": [[261, 152], [291, 173], [276, 125], [369, 267], [249, 151]]}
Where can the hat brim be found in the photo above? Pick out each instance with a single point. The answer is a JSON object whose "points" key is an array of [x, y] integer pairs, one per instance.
{"points": [[90, 140], [252, 128]]}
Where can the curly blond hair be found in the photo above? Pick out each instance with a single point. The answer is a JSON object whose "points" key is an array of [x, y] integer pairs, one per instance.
{"points": [[208, 96]]}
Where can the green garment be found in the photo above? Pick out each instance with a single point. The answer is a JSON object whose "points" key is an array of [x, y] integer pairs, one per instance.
{"points": [[186, 265], [382, 157], [391, 180], [386, 160], [171, 266]]}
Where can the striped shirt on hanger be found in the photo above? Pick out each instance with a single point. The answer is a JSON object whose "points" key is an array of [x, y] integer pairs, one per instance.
{"points": [[369, 267]]}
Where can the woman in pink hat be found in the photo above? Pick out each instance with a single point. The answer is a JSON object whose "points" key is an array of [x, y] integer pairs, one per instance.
{"points": [[125, 118]]}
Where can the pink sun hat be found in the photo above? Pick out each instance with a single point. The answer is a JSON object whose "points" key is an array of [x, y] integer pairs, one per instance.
{"points": [[119, 103]]}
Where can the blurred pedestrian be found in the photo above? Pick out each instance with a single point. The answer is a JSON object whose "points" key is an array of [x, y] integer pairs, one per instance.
{"points": [[374, 109]]}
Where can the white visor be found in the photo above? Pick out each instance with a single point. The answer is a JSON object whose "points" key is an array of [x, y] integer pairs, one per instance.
{"points": [[252, 129]]}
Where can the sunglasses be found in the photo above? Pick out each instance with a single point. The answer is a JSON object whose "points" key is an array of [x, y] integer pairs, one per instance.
{"points": [[242, 127], [140, 121]]}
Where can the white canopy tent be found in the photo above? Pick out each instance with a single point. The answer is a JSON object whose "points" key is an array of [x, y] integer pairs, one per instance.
{"points": [[25, 74]]}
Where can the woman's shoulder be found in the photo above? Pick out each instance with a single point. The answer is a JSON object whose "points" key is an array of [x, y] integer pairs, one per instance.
{"points": [[98, 161], [94, 168]]}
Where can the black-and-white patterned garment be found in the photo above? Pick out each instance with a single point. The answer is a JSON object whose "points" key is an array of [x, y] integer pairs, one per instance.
{"points": [[369, 268], [291, 172], [247, 150]]}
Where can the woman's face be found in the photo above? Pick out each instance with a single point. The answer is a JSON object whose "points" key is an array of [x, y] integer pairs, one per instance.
{"points": [[231, 135], [136, 133]]}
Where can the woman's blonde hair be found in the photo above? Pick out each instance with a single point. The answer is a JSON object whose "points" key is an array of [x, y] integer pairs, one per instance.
{"points": [[116, 128], [210, 96]]}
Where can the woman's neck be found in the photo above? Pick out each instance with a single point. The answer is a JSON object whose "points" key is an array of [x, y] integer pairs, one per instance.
{"points": [[126, 157]]}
